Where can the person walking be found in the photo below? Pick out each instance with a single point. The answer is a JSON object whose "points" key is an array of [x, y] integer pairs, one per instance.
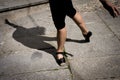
{"points": [[62, 8]]}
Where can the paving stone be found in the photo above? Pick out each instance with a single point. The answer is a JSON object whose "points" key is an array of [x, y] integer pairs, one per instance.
{"points": [[95, 68], [28, 31], [103, 42], [112, 23], [6, 5], [62, 74], [103, 50], [27, 61]]}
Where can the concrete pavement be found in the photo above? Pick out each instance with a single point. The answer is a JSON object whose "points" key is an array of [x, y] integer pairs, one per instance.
{"points": [[28, 42], [8, 5]]}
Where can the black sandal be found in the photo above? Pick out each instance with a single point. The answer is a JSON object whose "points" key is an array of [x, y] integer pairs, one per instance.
{"points": [[87, 36], [60, 61]]}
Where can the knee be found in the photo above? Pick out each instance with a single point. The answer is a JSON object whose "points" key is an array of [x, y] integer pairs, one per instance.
{"points": [[59, 26]]}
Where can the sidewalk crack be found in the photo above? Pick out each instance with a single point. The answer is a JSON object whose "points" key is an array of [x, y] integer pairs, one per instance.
{"points": [[69, 68]]}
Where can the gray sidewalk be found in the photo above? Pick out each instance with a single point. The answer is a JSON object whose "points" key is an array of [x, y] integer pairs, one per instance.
{"points": [[28, 42], [7, 5]]}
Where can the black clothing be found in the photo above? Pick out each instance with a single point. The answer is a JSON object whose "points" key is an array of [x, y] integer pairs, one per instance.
{"points": [[59, 10]]}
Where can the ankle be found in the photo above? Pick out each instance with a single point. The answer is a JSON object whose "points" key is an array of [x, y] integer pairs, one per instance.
{"points": [[85, 32], [60, 50]]}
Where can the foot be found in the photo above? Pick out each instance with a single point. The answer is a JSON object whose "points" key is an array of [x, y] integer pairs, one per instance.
{"points": [[87, 36], [60, 58]]}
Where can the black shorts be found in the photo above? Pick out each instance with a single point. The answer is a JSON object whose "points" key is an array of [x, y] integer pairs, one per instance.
{"points": [[59, 10]]}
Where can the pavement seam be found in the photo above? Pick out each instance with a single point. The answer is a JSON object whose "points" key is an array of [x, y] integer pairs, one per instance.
{"points": [[32, 72], [69, 68], [108, 27]]}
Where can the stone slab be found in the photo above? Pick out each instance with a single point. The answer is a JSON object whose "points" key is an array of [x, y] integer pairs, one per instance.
{"points": [[103, 42], [112, 23], [62, 74], [29, 29], [26, 45], [27, 61], [7, 5], [97, 60], [99, 68]]}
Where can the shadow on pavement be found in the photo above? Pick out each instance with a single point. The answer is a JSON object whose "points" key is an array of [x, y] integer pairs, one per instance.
{"points": [[35, 38], [31, 37]]}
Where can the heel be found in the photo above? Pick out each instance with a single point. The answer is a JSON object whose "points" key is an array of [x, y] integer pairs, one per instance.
{"points": [[87, 37]]}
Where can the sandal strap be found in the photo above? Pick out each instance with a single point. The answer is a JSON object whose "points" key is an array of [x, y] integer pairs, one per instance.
{"points": [[60, 53]]}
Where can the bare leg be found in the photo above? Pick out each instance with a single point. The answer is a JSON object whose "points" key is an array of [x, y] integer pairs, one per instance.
{"points": [[61, 38], [79, 21]]}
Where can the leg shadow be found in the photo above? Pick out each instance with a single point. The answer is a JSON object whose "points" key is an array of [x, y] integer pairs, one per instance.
{"points": [[77, 41]]}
